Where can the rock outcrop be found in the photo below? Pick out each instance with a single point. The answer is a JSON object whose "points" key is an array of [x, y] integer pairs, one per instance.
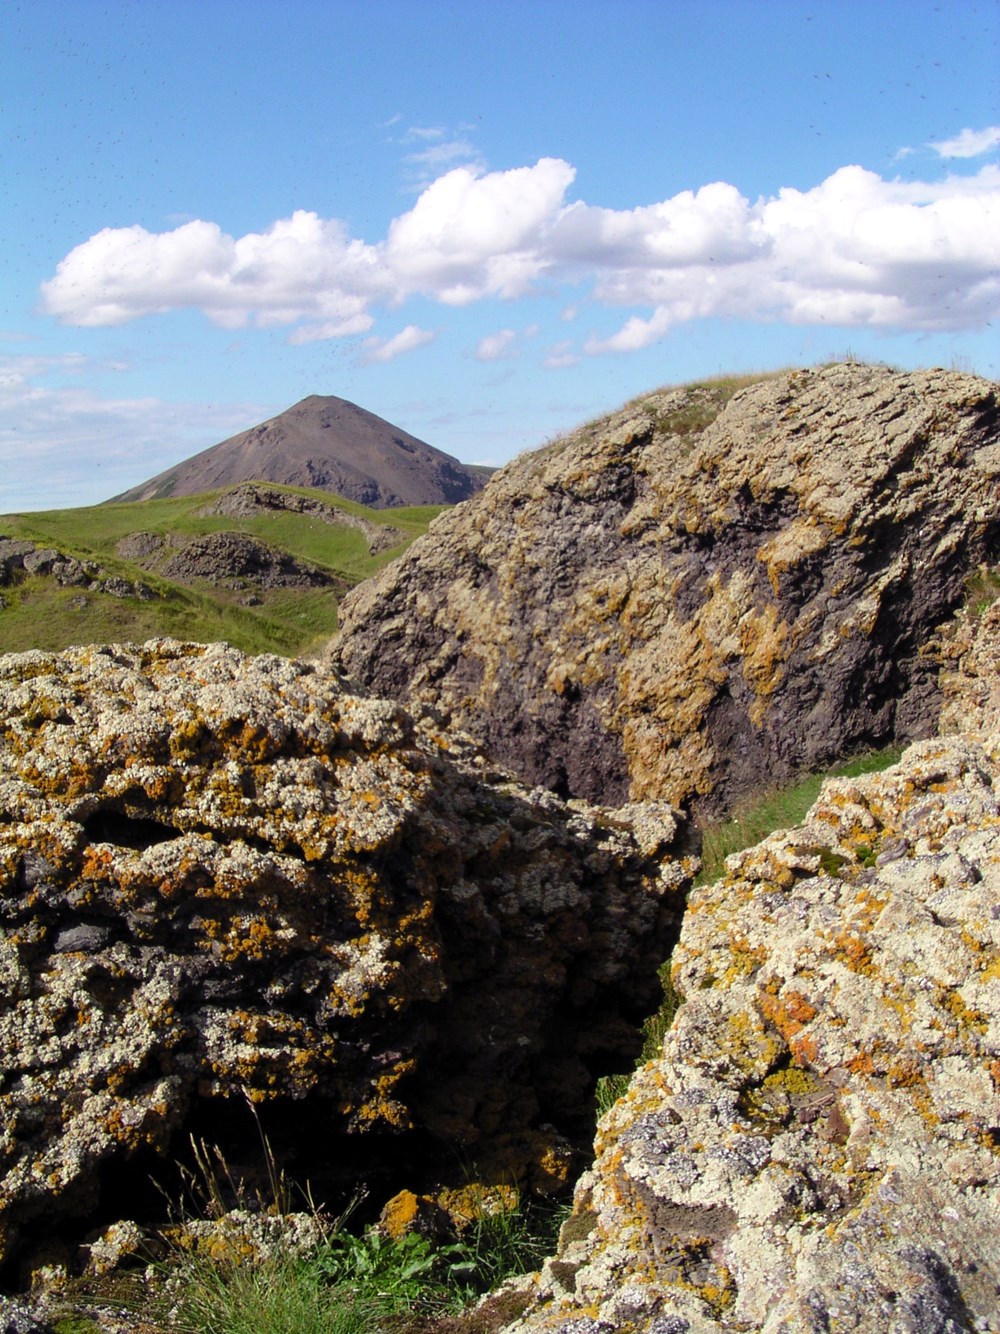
{"points": [[234, 559], [20, 557], [818, 1147], [251, 498], [223, 876], [666, 605]]}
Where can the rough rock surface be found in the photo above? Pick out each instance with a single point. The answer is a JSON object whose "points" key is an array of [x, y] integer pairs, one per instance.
{"points": [[818, 1148], [222, 874], [970, 681], [658, 608], [234, 559], [19, 558], [252, 498]]}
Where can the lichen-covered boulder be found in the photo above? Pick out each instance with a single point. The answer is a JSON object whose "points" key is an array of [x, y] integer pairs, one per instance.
{"points": [[224, 876], [970, 677], [700, 588], [818, 1147]]}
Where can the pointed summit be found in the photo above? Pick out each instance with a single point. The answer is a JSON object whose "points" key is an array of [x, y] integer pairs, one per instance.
{"points": [[332, 445]]}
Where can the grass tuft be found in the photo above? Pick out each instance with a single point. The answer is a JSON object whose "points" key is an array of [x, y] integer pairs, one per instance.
{"points": [[782, 808]]}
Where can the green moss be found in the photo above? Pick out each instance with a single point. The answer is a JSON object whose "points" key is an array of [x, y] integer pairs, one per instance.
{"points": [[981, 590], [831, 862]]}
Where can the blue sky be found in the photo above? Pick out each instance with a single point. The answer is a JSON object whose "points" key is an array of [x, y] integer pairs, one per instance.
{"points": [[486, 224]]}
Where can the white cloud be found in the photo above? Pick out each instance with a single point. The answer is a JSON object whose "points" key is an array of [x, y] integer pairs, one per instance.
{"points": [[970, 143], [560, 355], [378, 349], [856, 250], [496, 346], [715, 223], [79, 448], [470, 236], [633, 335], [302, 267]]}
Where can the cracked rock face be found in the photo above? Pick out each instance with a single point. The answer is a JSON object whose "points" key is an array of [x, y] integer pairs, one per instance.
{"points": [[223, 875], [818, 1147], [652, 609]]}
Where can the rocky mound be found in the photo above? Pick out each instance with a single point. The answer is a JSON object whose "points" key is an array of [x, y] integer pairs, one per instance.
{"points": [[223, 876], [251, 498], [233, 559], [332, 445], [818, 1148], [19, 557], [657, 606]]}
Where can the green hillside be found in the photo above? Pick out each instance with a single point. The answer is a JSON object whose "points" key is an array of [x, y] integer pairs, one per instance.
{"points": [[40, 612]]}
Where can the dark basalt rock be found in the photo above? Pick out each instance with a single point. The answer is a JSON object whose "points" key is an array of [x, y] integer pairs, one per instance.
{"points": [[659, 607]]}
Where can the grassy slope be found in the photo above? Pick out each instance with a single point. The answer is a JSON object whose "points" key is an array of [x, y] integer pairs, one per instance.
{"points": [[41, 614]]}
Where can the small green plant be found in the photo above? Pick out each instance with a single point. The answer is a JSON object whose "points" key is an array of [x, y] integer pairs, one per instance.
{"points": [[780, 809], [610, 1088], [235, 1281], [981, 590], [360, 1284]]}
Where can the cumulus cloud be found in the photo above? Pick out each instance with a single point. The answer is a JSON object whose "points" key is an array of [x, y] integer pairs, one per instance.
{"points": [[855, 250], [634, 334], [496, 346], [302, 267], [970, 143], [470, 236], [379, 349]]}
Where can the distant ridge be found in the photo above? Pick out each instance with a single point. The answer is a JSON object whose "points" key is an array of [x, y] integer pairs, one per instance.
{"points": [[330, 444]]}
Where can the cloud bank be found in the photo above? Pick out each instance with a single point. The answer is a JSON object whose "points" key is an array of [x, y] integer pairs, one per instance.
{"points": [[64, 444], [856, 250]]}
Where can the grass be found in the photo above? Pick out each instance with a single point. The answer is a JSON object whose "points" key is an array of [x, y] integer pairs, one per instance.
{"points": [[38, 613], [981, 590], [343, 1282], [782, 808], [358, 1284]]}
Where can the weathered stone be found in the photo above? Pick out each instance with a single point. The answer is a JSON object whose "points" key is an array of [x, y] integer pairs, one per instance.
{"points": [[40, 560], [18, 1317], [12, 554], [223, 875], [234, 558], [647, 608], [970, 681], [254, 498], [818, 1147]]}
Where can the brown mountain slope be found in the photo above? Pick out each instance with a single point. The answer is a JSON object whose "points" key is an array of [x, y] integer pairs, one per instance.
{"points": [[690, 603], [330, 444]]}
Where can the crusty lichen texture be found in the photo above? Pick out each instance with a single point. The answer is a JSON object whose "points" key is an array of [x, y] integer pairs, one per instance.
{"points": [[665, 606], [224, 876], [818, 1146]]}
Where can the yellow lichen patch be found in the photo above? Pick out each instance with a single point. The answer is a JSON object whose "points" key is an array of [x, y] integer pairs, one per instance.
{"points": [[748, 1043], [188, 738], [742, 958], [797, 541], [401, 1214], [764, 645], [966, 1017]]}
